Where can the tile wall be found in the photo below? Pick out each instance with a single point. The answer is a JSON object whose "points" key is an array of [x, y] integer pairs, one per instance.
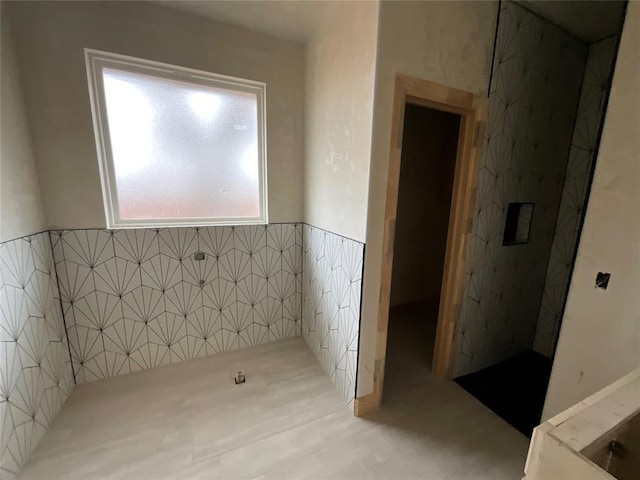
{"points": [[582, 156], [535, 87], [86, 305], [35, 369], [332, 292], [139, 298]]}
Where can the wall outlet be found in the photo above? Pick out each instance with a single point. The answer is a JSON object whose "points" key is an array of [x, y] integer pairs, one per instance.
{"points": [[602, 280], [198, 256]]}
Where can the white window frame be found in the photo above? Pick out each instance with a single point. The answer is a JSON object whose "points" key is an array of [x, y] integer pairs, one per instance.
{"points": [[96, 60]]}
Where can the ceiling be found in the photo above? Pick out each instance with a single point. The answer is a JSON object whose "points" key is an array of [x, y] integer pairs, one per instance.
{"points": [[290, 20], [588, 20]]}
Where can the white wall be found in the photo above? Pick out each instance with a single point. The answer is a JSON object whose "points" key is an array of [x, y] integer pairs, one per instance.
{"points": [[50, 38], [20, 203], [600, 334], [339, 77], [446, 42]]}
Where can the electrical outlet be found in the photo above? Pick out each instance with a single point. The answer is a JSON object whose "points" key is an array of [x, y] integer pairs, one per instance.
{"points": [[198, 256], [602, 280]]}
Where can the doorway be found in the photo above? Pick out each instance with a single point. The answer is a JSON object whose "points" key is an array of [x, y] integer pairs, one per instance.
{"points": [[427, 168], [471, 110]]}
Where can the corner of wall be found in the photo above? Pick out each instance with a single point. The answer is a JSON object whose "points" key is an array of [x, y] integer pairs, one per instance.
{"points": [[21, 210], [36, 376]]}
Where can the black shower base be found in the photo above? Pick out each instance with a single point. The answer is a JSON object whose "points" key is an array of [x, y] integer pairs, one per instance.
{"points": [[514, 389]]}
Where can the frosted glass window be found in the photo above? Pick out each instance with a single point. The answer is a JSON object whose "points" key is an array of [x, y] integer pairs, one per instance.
{"points": [[177, 146]]}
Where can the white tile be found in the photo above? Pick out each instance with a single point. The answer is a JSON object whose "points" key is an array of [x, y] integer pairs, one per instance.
{"points": [[136, 245], [161, 272], [143, 304], [117, 276], [10, 368], [87, 247], [252, 289], [219, 294], [13, 312], [33, 342], [249, 239], [178, 243], [17, 263], [183, 299], [215, 241], [75, 281]]}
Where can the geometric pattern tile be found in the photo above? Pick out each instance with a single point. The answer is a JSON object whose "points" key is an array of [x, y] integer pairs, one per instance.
{"points": [[137, 299], [35, 368], [590, 116], [534, 92], [331, 314]]}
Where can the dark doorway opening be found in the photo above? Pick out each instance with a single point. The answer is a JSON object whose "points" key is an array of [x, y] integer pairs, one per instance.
{"points": [[428, 162]]}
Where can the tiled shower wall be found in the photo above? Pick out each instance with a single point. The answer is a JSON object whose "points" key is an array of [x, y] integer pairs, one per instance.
{"points": [[332, 291], [582, 155], [35, 369], [535, 87], [140, 298], [137, 299]]}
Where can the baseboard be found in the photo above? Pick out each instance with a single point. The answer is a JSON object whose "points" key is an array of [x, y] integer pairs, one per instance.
{"points": [[363, 405]]}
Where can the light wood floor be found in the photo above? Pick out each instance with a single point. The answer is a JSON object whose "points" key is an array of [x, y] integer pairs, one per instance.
{"points": [[189, 421]]}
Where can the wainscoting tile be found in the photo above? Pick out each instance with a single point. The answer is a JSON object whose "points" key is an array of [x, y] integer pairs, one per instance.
{"points": [[99, 304], [332, 290], [582, 156], [534, 93], [139, 298], [136, 245], [36, 376]]}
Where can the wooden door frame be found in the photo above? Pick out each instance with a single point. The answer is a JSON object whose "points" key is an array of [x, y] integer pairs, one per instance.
{"points": [[472, 110]]}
